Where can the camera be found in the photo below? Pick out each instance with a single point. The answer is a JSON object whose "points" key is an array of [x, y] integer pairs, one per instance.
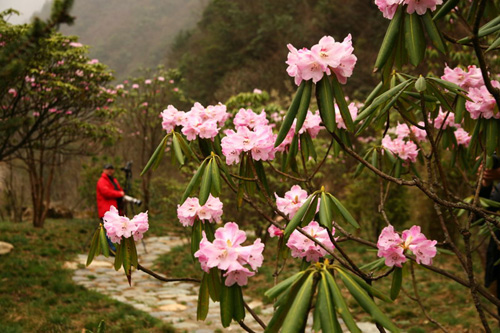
{"points": [[132, 200]]}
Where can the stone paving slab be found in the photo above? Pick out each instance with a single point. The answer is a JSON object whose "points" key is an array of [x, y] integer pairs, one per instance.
{"points": [[173, 302]]}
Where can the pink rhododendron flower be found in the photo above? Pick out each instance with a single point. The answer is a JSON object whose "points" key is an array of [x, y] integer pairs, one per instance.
{"points": [[161, 78], [353, 110], [227, 254], [311, 126], [445, 120], [463, 138], [303, 247], [292, 201], [388, 7], [118, 227], [391, 246], [257, 91], [75, 44], [204, 122], [135, 86], [472, 78], [274, 231], [147, 81], [250, 119], [420, 134], [13, 92], [259, 142], [171, 118], [191, 209], [421, 6], [483, 103], [324, 58], [406, 150]]}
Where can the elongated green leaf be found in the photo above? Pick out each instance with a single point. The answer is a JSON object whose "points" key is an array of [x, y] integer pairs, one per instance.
{"points": [[325, 212], [261, 174], [214, 284], [226, 305], [491, 23], [203, 295], [447, 85], [316, 327], [101, 328], [238, 305], [225, 170], [127, 260], [460, 109], [132, 251], [297, 218], [290, 115], [310, 145], [338, 92], [216, 188], [340, 303], [119, 256], [343, 211], [442, 100], [433, 32], [445, 9], [397, 280], [194, 181], [206, 183], [494, 45], [414, 38], [311, 212], [177, 150], [296, 318], [94, 247], [326, 307], [390, 39], [375, 92], [292, 152], [196, 236], [324, 97], [185, 147], [304, 106], [282, 286], [374, 265], [103, 242], [368, 288], [157, 156], [366, 302], [281, 312]]}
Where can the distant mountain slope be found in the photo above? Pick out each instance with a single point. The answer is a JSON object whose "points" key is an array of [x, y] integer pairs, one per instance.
{"points": [[129, 34]]}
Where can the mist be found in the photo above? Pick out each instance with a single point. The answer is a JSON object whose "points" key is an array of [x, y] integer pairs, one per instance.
{"points": [[26, 8]]}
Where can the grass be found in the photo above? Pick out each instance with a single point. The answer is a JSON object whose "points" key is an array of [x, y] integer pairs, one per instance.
{"points": [[445, 301], [38, 295]]}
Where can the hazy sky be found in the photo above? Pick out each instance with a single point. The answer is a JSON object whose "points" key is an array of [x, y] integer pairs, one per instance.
{"points": [[26, 7]]}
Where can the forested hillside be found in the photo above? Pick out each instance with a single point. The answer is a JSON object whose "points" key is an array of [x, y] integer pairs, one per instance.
{"points": [[241, 45], [128, 34]]}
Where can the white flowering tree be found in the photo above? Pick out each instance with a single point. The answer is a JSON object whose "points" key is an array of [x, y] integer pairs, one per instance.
{"points": [[423, 123]]}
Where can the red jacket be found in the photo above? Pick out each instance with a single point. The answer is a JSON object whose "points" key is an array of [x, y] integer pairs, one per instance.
{"points": [[107, 195]]}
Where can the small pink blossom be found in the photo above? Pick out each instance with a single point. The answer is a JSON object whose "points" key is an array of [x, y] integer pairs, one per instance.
{"points": [[421, 6], [303, 247], [388, 7], [191, 210], [13, 92], [406, 150], [148, 81], [353, 110], [472, 78], [118, 227], [463, 138], [75, 44], [161, 78], [274, 231], [135, 86], [482, 103], [292, 201]]}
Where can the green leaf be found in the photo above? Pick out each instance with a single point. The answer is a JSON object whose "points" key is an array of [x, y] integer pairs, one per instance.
{"points": [[397, 280], [261, 174], [304, 106], [127, 262], [118, 256], [193, 182], [238, 305], [375, 92], [343, 108], [206, 183], [366, 302], [103, 242], [433, 32], [283, 285], [326, 307], [292, 151], [325, 212], [310, 145], [214, 284], [343, 211], [442, 100], [368, 288], [390, 39], [157, 156], [340, 303], [224, 168], [290, 115], [297, 218], [324, 98], [226, 305], [281, 312], [374, 265], [185, 147], [445, 9], [132, 251], [447, 85], [420, 85], [203, 295], [414, 38], [311, 212], [94, 247], [494, 45], [296, 318], [460, 109], [196, 236], [177, 150], [216, 188]]}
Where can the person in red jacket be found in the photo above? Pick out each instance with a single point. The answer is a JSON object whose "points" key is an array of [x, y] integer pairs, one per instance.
{"points": [[109, 192]]}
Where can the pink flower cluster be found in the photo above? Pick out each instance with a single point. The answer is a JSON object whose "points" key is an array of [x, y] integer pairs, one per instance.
{"points": [[323, 58], [198, 122], [250, 119], [227, 254], [191, 210], [406, 150], [392, 247], [292, 201], [118, 227], [311, 126], [389, 7], [258, 141], [482, 103], [303, 247]]}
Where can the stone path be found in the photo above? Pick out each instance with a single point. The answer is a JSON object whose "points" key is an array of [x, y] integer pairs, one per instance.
{"points": [[172, 302]]}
